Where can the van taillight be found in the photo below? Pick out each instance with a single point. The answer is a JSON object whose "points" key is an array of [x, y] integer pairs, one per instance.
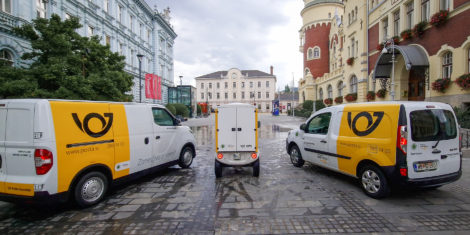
{"points": [[42, 161], [401, 138]]}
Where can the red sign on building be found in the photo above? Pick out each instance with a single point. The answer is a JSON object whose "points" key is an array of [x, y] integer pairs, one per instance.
{"points": [[153, 86]]}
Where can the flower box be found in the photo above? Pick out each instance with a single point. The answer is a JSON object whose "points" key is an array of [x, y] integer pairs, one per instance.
{"points": [[406, 34], [441, 84], [370, 95], [350, 61], [380, 46], [418, 30], [381, 93], [439, 18], [339, 100], [351, 97], [463, 81], [328, 101]]}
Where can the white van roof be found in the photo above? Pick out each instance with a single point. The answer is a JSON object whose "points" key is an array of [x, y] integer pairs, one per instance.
{"points": [[236, 105], [406, 103], [85, 101]]}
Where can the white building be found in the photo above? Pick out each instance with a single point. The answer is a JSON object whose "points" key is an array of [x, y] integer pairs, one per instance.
{"points": [[242, 86]]}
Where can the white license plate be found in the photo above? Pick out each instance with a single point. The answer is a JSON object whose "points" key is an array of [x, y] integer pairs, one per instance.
{"points": [[425, 166], [237, 157]]}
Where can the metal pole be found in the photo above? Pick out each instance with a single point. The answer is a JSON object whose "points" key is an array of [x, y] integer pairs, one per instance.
{"points": [[140, 81], [292, 106]]}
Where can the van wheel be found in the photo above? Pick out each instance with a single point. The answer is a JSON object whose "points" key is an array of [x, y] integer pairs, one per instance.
{"points": [[296, 157], [186, 157], [218, 169], [90, 189], [256, 168], [373, 182]]}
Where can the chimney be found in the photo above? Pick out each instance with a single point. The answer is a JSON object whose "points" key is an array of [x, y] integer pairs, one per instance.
{"points": [[272, 70]]}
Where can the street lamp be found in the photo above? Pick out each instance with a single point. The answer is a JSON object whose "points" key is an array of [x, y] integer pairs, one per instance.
{"points": [[385, 50], [139, 56]]}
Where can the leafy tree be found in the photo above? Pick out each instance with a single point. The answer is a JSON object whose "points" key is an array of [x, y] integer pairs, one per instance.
{"points": [[286, 89], [199, 109], [171, 108], [463, 116], [65, 65], [182, 110]]}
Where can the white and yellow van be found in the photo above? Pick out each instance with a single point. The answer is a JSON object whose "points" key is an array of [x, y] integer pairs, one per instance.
{"points": [[59, 148], [382, 144]]}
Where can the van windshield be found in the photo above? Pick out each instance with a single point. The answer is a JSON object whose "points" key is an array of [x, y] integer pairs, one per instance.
{"points": [[433, 125]]}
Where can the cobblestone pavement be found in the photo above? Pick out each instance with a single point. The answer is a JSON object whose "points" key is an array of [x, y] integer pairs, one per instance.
{"points": [[283, 200]]}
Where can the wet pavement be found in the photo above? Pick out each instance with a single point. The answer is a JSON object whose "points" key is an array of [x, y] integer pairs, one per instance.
{"points": [[283, 200]]}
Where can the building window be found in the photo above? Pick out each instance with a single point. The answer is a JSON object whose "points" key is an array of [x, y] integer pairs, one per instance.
{"points": [[340, 88], [234, 95], [218, 85], [202, 95], [267, 106], [307, 71], [320, 92], [353, 45], [121, 49], [6, 57], [108, 40], [444, 5], [131, 23], [209, 95], [226, 84], [425, 10], [267, 83], [259, 95], [91, 30], [267, 95], [385, 28], [243, 95], [396, 23], [141, 27], [119, 9], [251, 84], [310, 53], [330, 91], [259, 84], [234, 75], [5, 6], [132, 58], [40, 9], [226, 95], [210, 85], [243, 84], [148, 35], [202, 85], [106, 5], [349, 18], [447, 65], [234, 85], [353, 84], [218, 95], [409, 15], [316, 52]]}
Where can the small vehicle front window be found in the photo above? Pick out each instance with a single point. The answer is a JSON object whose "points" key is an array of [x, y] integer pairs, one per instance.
{"points": [[432, 125], [161, 117], [319, 124]]}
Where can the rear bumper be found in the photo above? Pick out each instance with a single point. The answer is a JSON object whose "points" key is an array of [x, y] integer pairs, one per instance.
{"points": [[38, 198], [396, 179]]}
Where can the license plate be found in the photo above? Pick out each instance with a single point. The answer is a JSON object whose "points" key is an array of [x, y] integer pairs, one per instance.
{"points": [[425, 166], [237, 157]]}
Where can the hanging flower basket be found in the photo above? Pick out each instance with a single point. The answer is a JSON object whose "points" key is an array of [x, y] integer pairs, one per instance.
{"points": [[351, 97], [350, 61], [370, 95], [440, 85], [381, 93], [339, 100], [328, 101], [418, 30], [439, 18], [396, 40], [463, 81], [406, 34]]}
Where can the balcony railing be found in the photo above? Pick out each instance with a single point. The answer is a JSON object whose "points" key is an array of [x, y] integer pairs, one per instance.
{"points": [[9, 22]]}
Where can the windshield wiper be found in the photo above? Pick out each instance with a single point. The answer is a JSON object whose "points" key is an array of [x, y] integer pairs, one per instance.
{"points": [[436, 144]]}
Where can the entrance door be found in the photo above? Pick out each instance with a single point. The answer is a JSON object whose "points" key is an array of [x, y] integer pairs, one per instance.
{"points": [[416, 84]]}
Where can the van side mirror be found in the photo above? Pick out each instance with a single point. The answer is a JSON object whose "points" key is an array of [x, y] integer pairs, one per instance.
{"points": [[303, 127], [259, 124], [177, 122]]}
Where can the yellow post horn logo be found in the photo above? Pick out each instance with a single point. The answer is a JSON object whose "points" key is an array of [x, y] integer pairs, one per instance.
{"points": [[85, 126], [371, 125]]}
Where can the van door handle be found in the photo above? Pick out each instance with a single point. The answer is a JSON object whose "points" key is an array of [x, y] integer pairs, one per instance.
{"points": [[233, 129], [443, 156], [239, 129], [323, 141], [436, 151], [146, 140], [171, 128], [157, 137]]}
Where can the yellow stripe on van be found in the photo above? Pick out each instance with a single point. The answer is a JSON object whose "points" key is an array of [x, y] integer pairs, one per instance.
{"points": [[19, 189], [367, 132], [216, 131], [121, 141]]}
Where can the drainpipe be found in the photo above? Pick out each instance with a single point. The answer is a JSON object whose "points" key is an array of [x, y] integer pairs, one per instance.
{"points": [[367, 44]]}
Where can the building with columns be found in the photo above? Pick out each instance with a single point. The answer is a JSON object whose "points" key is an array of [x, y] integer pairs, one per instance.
{"points": [[130, 27], [234, 85], [431, 59]]}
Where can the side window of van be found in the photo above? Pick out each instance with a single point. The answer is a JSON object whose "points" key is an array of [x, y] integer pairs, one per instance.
{"points": [[319, 124], [161, 117]]}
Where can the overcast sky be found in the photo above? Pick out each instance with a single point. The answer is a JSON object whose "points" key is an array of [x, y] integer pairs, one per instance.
{"points": [[215, 35]]}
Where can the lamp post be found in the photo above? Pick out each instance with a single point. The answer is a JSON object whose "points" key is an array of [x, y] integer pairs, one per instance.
{"points": [[181, 80], [392, 84], [139, 56]]}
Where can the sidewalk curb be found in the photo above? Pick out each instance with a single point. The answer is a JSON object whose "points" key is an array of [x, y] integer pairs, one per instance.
{"points": [[466, 153]]}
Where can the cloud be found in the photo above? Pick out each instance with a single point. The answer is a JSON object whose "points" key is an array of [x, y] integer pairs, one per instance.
{"points": [[216, 35]]}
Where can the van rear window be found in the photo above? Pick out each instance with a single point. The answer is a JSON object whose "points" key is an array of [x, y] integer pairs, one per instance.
{"points": [[433, 125]]}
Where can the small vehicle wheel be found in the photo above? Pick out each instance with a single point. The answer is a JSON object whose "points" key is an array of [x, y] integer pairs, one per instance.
{"points": [[256, 168], [90, 189], [218, 169], [296, 157], [373, 182], [186, 157]]}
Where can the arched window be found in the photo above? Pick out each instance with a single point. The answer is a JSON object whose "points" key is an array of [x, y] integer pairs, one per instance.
{"points": [[447, 65], [353, 84], [310, 53], [340, 88], [320, 94], [6, 56], [316, 52], [307, 71], [330, 91]]}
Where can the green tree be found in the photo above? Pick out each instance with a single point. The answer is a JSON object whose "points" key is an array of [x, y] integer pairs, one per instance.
{"points": [[65, 65], [182, 110], [286, 89], [199, 109], [171, 108]]}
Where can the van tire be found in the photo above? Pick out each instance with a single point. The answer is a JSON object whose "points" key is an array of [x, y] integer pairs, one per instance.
{"points": [[296, 156], [256, 168], [373, 182], [93, 183], [186, 157], [218, 169]]}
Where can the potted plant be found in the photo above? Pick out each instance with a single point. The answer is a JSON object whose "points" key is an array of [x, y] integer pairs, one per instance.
{"points": [[350, 61], [439, 18], [339, 100], [328, 101], [370, 95], [463, 81], [418, 30], [381, 93], [441, 84], [406, 34], [396, 40], [351, 97]]}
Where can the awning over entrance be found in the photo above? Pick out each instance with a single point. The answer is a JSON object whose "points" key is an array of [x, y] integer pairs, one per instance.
{"points": [[414, 56]]}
